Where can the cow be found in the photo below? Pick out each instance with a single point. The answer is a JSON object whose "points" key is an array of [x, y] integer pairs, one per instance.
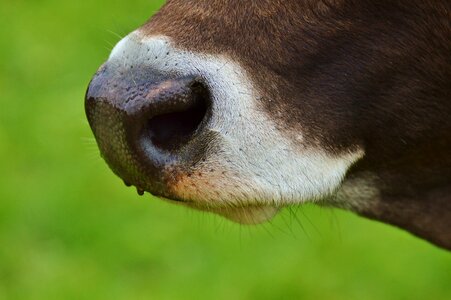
{"points": [[241, 108]]}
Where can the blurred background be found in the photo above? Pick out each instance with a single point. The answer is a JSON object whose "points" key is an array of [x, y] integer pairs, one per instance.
{"points": [[70, 229]]}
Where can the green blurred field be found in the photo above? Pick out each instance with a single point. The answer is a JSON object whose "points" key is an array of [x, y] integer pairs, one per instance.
{"points": [[69, 229]]}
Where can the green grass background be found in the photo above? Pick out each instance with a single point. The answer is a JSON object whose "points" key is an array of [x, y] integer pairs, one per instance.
{"points": [[69, 229]]}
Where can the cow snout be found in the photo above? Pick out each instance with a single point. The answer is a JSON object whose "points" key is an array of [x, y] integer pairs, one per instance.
{"points": [[145, 123]]}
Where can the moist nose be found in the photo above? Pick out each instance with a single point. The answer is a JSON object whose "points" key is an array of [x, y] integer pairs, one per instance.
{"points": [[143, 123]]}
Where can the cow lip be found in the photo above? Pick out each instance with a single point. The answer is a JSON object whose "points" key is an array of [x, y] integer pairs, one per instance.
{"points": [[246, 215], [141, 191], [174, 200]]}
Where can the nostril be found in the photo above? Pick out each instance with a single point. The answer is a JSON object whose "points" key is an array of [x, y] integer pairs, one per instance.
{"points": [[172, 130]]}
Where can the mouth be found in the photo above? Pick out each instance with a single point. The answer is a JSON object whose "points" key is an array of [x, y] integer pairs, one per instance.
{"points": [[246, 215], [141, 191]]}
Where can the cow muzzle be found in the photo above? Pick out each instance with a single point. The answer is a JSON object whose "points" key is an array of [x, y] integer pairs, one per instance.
{"points": [[145, 123]]}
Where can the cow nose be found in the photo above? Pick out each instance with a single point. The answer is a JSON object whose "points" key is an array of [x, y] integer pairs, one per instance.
{"points": [[143, 121], [168, 114]]}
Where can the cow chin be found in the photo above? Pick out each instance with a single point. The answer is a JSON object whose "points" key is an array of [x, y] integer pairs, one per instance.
{"points": [[248, 215], [245, 215]]}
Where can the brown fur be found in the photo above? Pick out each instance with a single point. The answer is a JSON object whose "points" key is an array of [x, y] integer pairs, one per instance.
{"points": [[348, 74], [370, 73]]}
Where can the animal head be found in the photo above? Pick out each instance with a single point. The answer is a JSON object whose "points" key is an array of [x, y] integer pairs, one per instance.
{"points": [[244, 107]]}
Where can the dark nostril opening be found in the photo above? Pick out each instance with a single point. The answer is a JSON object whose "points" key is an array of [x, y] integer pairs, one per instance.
{"points": [[172, 130]]}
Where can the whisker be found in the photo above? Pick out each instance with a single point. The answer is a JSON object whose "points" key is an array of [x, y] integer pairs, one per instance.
{"points": [[115, 34], [278, 228], [267, 230], [290, 228], [311, 223], [109, 44], [298, 221]]}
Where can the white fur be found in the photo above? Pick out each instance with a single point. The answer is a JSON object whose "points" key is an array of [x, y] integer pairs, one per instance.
{"points": [[274, 169]]}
